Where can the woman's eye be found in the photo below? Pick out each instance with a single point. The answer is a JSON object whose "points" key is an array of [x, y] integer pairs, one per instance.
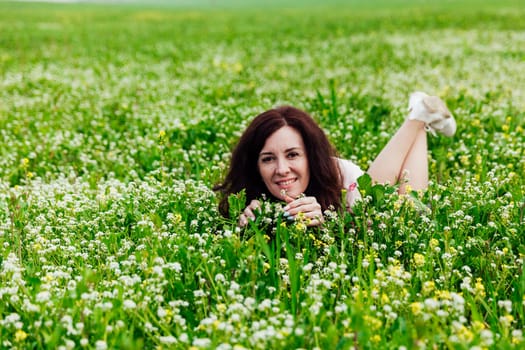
{"points": [[293, 155], [266, 159]]}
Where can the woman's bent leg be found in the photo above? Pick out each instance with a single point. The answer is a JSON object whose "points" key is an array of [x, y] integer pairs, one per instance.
{"points": [[415, 169], [406, 152]]}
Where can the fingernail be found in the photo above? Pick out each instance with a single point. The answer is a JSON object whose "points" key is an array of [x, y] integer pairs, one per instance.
{"points": [[286, 208], [286, 214], [251, 218], [290, 218]]}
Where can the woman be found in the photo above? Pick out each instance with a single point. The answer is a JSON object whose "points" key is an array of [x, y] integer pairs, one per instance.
{"points": [[285, 155]]}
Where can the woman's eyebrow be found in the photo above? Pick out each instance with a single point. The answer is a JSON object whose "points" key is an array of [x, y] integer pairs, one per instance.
{"points": [[285, 151], [265, 153], [293, 149]]}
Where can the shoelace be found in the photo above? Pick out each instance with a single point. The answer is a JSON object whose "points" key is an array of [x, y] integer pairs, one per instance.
{"points": [[430, 129]]}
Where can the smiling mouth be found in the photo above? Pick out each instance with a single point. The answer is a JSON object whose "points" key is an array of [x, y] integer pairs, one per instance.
{"points": [[285, 183]]}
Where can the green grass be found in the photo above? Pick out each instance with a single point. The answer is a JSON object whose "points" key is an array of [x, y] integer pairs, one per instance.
{"points": [[117, 120]]}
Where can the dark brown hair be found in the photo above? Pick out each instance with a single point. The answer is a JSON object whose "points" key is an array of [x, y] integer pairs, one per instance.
{"points": [[325, 178]]}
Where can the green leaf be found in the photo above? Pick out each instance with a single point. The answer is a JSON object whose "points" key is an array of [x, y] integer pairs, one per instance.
{"points": [[365, 183]]}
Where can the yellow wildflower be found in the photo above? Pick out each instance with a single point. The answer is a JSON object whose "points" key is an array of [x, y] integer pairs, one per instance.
{"points": [[465, 335], [444, 295], [416, 308], [428, 287], [480, 288], [20, 335], [375, 339], [419, 260], [517, 336], [300, 226], [373, 322], [479, 159], [177, 219], [433, 243], [478, 326], [506, 320]]}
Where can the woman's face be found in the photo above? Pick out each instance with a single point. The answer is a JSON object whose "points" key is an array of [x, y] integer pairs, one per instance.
{"points": [[283, 163]]}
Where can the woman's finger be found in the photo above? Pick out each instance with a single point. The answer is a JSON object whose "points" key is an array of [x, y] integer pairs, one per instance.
{"points": [[254, 204], [288, 199], [309, 209], [299, 201], [248, 213], [305, 205], [242, 220]]}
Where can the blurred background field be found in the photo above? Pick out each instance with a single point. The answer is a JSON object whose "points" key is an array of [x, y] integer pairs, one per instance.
{"points": [[116, 119], [110, 76]]}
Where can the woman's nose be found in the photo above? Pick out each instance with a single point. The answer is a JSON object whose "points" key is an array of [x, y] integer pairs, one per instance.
{"points": [[283, 167]]}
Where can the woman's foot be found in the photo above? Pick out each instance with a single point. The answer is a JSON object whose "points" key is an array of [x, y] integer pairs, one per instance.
{"points": [[433, 112]]}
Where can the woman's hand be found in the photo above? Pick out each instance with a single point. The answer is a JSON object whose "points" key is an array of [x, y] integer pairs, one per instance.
{"points": [[248, 213], [307, 206]]}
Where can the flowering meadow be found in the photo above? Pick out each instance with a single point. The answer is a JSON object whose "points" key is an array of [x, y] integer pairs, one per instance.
{"points": [[117, 120]]}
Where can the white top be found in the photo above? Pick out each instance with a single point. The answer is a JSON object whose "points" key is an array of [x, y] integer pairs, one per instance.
{"points": [[350, 173]]}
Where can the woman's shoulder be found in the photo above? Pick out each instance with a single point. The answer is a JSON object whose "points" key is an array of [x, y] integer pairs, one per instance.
{"points": [[349, 171]]}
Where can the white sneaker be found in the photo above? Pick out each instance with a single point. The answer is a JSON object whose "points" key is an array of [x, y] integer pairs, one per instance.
{"points": [[433, 112]]}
